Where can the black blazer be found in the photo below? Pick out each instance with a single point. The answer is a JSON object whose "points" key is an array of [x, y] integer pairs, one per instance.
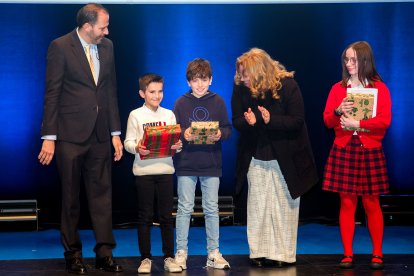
{"points": [[74, 105], [286, 131]]}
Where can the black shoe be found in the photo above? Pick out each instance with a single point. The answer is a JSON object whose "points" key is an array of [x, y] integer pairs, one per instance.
{"points": [[376, 265], [75, 265], [108, 264], [257, 262], [347, 264], [275, 263]]}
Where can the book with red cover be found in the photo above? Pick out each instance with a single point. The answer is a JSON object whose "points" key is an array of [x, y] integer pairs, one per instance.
{"points": [[159, 139]]}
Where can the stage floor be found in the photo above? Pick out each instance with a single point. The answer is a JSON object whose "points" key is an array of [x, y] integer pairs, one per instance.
{"points": [[319, 250], [312, 265]]}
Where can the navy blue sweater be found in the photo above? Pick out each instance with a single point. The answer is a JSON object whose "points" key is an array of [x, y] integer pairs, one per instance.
{"points": [[200, 160]]}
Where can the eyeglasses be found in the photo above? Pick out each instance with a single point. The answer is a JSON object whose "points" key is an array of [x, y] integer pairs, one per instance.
{"points": [[351, 59]]}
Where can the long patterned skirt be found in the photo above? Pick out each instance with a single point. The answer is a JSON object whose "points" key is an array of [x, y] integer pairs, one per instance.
{"points": [[272, 214]]}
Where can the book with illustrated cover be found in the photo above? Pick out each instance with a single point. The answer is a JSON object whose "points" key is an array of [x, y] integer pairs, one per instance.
{"points": [[159, 139], [202, 130], [365, 104]]}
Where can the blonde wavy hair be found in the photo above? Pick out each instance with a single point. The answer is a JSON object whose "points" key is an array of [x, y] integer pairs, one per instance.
{"points": [[264, 73]]}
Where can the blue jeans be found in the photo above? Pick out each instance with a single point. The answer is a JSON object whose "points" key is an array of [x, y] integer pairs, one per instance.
{"points": [[186, 195]]}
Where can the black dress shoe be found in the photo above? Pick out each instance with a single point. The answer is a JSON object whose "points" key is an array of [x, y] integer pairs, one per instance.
{"points": [[108, 264], [347, 262], [75, 265], [275, 263], [377, 265], [257, 262]]}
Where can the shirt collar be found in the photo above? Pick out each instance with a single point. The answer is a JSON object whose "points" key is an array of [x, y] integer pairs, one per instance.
{"points": [[150, 110], [362, 85], [83, 42]]}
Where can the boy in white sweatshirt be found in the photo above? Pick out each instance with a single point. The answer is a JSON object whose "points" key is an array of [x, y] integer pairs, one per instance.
{"points": [[153, 177]]}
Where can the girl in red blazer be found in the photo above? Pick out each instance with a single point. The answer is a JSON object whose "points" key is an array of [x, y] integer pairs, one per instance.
{"points": [[356, 164]]}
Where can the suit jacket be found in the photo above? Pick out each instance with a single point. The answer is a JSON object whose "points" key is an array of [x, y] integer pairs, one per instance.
{"points": [[286, 131], [74, 105]]}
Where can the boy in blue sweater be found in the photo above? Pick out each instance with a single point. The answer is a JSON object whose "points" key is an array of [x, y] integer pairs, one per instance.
{"points": [[200, 162]]}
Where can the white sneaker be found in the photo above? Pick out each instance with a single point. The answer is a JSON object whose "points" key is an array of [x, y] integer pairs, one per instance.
{"points": [[181, 259], [216, 260], [145, 266], [171, 266]]}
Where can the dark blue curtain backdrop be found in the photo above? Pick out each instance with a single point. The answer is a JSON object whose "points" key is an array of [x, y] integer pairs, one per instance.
{"points": [[306, 38]]}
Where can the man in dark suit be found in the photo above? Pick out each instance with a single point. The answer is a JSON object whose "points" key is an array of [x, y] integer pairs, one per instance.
{"points": [[80, 116]]}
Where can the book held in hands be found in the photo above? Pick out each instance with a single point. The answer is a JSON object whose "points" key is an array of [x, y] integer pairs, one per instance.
{"points": [[365, 104], [159, 139], [203, 131]]}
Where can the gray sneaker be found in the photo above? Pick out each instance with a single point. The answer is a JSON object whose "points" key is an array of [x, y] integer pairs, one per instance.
{"points": [[181, 259], [216, 260]]}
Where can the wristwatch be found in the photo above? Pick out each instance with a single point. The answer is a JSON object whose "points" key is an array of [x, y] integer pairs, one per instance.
{"points": [[337, 112]]}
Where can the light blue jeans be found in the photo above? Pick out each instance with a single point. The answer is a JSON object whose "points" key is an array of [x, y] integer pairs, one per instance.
{"points": [[186, 194]]}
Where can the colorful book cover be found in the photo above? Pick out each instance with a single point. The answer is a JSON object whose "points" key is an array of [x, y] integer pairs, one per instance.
{"points": [[365, 104], [202, 131], [159, 139]]}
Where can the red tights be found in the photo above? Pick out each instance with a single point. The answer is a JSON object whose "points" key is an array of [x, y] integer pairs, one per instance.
{"points": [[347, 221]]}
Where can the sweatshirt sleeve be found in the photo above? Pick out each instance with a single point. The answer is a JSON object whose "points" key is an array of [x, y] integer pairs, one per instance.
{"points": [[131, 136], [172, 120], [177, 115], [225, 125]]}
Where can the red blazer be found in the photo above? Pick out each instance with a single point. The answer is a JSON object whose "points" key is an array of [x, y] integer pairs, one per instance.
{"points": [[377, 125]]}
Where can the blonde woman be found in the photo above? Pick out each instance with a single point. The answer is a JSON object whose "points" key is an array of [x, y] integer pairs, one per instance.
{"points": [[274, 153]]}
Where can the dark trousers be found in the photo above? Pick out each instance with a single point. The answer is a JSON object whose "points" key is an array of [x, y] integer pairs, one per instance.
{"points": [[149, 188], [89, 162]]}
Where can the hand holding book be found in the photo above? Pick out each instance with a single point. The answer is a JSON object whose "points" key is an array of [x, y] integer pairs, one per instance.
{"points": [[203, 133], [348, 122], [141, 149], [159, 142], [215, 136], [189, 135], [345, 107], [177, 146], [364, 107]]}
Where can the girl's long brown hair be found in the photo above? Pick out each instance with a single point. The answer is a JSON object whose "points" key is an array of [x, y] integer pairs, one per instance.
{"points": [[366, 64]]}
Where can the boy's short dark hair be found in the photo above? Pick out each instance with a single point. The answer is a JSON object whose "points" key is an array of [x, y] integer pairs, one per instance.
{"points": [[198, 68], [146, 79]]}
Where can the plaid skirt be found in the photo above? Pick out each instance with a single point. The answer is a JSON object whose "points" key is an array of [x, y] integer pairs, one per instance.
{"points": [[356, 170]]}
